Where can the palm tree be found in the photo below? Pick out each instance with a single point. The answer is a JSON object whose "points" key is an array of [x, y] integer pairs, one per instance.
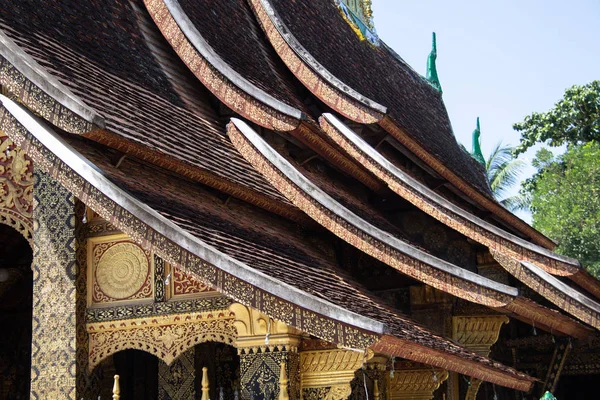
{"points": [[503, 171]]}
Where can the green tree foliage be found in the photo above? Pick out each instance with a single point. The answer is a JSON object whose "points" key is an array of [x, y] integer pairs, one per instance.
{"points": [[503, 172], [575, 119], [565, 201]]}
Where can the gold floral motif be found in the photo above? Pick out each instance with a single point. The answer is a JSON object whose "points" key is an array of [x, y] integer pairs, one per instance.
{"points": [[478, 333], [16, 187], [166, 337], [122, 270], [184, 285]]}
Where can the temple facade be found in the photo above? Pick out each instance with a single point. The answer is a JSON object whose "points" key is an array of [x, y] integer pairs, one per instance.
{"points": [[259, 199]]}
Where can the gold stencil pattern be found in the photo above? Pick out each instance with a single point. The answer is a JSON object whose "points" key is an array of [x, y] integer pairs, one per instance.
{"points": [[54, 336], [119, 270], [122, 270]]}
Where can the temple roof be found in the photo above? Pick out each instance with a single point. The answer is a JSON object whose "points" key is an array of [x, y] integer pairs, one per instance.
{"points": [[134, 93]]}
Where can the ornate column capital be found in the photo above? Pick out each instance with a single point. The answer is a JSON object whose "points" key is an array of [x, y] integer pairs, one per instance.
{"points": [[416, 384], [327, 373], [478, 333]]}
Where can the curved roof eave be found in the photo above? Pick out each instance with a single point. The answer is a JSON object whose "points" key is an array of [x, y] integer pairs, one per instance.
{"points": [[164, 228], [496, 294], [380, 244], [552, 289], [314, 63], [188, 43], [79, 118], [438, 207]]}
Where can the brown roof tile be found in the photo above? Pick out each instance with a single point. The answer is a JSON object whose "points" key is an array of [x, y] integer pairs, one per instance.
{"points": [[98, 50]]}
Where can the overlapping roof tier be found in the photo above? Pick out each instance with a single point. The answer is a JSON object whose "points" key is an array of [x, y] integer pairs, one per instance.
{"points": [[103, 70], [256, 264], [370, 84], [374, 85]]}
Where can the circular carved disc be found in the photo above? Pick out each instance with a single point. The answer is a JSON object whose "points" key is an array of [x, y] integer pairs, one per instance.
{"points": [[122, 270]]}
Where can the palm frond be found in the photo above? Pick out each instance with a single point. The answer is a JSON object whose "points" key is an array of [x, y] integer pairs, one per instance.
{"points": [[514, 203], [503, 172]]}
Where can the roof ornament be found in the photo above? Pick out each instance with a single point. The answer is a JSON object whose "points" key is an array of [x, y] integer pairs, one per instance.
{"points": [[476, 152], [359, 15], [432, 75], [548, 396]]}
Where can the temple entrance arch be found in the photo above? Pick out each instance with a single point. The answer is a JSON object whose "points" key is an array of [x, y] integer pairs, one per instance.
{"points": [[146, 377], [16, 292]]}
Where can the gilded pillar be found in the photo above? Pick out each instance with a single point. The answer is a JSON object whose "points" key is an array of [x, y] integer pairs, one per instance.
{"points": [[54, 332], [327, 374], [478, 334], [264, 346]]}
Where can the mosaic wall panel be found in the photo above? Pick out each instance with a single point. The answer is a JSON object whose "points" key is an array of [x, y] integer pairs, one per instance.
{"points": [[260, 374], [53, 360], [176, 381], [119, 271]]}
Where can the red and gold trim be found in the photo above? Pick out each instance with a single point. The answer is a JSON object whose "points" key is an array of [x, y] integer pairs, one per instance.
{"points": [[362, 240], [231, 95], [313, 81], [310, 135], [545, 318], [390, 126], [475, 367]]}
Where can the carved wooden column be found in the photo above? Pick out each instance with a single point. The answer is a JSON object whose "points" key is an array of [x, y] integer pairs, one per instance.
{"points": [[478, 334], [263, 345], [415, 383], [326, 374]]}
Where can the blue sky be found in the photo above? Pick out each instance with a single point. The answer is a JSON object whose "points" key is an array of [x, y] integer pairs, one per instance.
{"points": [[499, 60]]}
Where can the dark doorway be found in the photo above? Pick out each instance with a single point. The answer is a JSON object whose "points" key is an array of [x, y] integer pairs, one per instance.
{"points": [[16, 293]]}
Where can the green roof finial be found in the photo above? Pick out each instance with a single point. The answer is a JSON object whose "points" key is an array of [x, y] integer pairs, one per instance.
{"points": [[432, 75], [476, 153], [548, 396]]}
